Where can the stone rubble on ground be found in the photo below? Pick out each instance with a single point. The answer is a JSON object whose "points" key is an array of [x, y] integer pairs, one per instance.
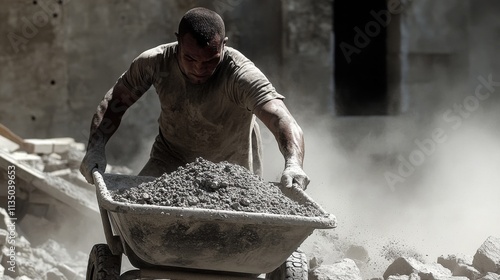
{"points": [[22, 261], [49, 260], [345, 269], [483, 266], [460, 266], [490, 276], [487, 257], [50, 191], [408, 265], [413, 276]]}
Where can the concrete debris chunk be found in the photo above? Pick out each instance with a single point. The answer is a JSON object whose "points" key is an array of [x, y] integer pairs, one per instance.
{"points": [[3, 237], [32, 160], [67, 271], [55, 274], [8, 145], [47, 261], [73, 158], [38, 146], [460, 266], [407, 266], [54, 162], [4, 219], [48, 146], [490, 276], [62, 145], [487, 257], [345, 269], [412, 276], [315, 262]]}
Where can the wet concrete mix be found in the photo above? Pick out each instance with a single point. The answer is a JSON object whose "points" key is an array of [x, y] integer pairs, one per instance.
{"points": [[218, 186]]}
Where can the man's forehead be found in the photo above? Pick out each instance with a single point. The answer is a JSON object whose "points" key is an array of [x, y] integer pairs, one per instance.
{"points": [[191, 46], [190, 40]]}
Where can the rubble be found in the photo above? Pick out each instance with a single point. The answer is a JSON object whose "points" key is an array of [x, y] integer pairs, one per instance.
{"points": [[490, 276], [413, 276], [344, 269], [21, 260], [487, 257], [460, 266], [408, 265], [53, 205], [50, 191]]}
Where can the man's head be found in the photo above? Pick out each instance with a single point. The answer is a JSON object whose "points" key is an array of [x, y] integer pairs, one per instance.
{"points": [[201, 39]]}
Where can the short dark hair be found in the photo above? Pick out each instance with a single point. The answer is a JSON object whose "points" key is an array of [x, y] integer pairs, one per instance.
{"points": [[203, 24]]}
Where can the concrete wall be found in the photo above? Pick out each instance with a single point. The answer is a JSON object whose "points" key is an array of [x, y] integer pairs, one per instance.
{"points": [[60, 57], [434, 54]]}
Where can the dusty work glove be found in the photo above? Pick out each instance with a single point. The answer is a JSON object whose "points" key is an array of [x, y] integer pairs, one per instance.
{"points": [[294, 176], [94, 158]]}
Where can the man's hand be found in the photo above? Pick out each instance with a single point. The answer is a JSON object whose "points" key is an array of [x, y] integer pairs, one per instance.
{"points": [[294, 176], [94, 158]]}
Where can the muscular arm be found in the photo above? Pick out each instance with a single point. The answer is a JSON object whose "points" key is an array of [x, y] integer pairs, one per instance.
{"points": [[109, 114], [289, 136], [104, 124]]}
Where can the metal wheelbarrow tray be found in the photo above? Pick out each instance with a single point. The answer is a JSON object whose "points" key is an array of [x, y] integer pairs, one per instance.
{"points": [[165, 237]]}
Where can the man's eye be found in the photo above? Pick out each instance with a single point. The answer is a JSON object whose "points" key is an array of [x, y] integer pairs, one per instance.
{"points": [[213, 61]]}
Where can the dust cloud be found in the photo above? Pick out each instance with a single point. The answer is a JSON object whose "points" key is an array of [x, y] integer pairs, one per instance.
{"points": [[445, 201]]}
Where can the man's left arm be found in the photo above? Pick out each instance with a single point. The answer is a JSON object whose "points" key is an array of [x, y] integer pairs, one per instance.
{"points": [[275, 115]]}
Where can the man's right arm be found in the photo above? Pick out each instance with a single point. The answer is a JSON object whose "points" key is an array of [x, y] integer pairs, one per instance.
{"points": [[104, 124]]}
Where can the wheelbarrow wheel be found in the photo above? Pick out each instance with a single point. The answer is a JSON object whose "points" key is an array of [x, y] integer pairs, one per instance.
{"points": [[295, 268], [103, 265]]}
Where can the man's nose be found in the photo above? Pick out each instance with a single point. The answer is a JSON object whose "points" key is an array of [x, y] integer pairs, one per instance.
{"points": [[200, 67]]}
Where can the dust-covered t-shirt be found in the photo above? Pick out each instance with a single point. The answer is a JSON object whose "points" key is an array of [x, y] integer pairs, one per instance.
{"points": [[213, 120]]}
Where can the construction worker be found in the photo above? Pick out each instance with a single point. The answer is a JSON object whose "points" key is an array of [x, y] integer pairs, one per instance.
{"points": [[210, 94]]}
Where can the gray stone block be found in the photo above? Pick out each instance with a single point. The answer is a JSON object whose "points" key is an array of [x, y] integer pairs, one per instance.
{"points": [[487, 257], [345, 269], [460, 266], [407, 266]]}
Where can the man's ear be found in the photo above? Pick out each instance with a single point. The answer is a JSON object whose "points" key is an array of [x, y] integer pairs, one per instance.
{"points": [[225, 40], [177, 36]]}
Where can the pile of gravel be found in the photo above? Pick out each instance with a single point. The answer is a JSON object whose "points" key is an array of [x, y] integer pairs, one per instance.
{"points": [[219, 186]]}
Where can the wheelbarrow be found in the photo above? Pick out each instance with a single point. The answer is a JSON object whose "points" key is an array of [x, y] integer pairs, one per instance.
{"points": [[165, 242]]}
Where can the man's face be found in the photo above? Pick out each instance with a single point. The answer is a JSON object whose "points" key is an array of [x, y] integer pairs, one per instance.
{"points": [[196, 62]]}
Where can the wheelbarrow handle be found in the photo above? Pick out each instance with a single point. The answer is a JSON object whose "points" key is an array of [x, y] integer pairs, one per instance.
{"points": [[94, 170]]}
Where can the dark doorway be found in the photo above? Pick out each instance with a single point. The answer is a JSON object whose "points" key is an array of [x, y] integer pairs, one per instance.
{"points": [[360, 69]]}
